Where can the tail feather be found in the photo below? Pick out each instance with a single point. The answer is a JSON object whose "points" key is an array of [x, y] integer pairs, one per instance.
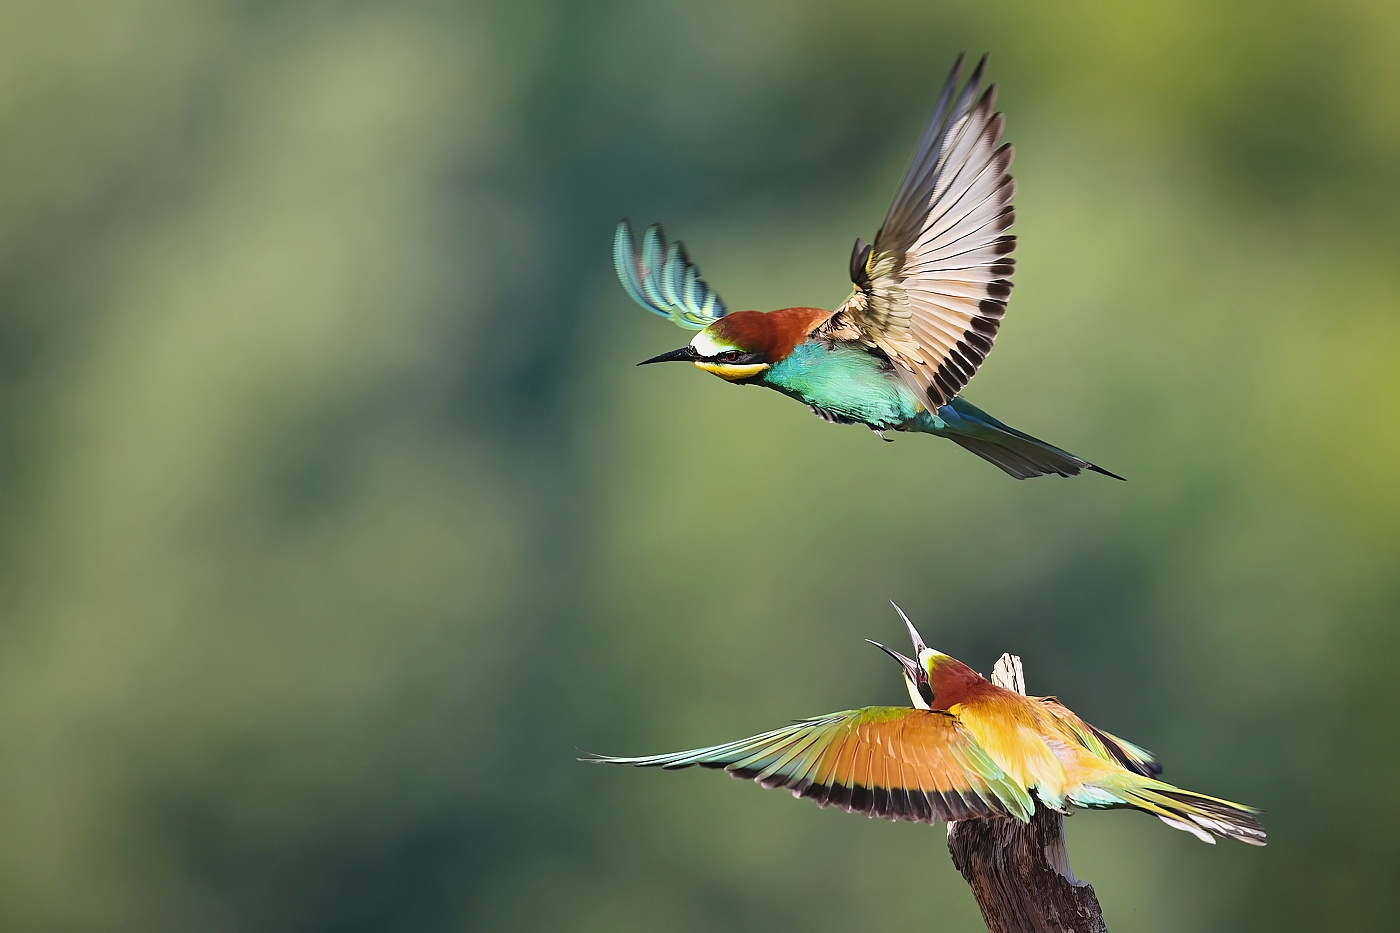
{"points": [[1198, 814], [1026, 461], [1015, 452]]}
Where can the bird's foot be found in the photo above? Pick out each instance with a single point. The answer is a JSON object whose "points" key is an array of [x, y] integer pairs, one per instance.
{"points": [[881, 435]]}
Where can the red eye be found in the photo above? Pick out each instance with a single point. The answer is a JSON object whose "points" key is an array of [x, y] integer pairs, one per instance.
{"points": [[728, 356]]}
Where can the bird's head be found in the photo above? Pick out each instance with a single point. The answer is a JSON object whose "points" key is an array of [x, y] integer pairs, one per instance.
{"points": [[934, 679], [743, 344], [735, 347]]}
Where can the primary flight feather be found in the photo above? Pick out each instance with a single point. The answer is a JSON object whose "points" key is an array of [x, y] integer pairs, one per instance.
{"points": [[965, 749], [930, 294]]}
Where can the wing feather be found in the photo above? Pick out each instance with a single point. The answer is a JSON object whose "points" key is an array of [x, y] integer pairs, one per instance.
{"points": [[917, 776], [896, 763], [931, 291], [1103, 744], [662, 279]]}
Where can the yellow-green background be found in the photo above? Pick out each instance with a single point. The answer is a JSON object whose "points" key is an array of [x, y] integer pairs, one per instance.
{"points": [[336, 518]]}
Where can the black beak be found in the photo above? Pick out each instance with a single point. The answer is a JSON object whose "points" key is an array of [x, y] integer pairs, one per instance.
{"points": [[911, 668], [684, 355], [913, 632]]}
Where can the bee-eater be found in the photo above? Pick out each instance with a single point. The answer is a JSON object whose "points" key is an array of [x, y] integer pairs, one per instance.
{"points": [[929, 298], [967, 748]]}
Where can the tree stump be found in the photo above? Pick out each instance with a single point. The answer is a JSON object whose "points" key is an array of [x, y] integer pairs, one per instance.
{"points": [[1019, 872]]}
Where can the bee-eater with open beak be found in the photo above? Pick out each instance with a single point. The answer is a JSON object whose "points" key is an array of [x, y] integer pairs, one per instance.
{"points": [[929, 298], [967, 748]]}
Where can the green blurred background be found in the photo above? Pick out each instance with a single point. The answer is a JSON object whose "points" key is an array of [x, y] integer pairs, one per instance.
{"points": [[337, 518]]}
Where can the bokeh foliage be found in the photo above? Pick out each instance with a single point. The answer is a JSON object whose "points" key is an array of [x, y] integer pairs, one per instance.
{"points": [[337, 518]]}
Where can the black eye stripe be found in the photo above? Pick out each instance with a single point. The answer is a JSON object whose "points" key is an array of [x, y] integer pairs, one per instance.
{"points": [[735, 357]]}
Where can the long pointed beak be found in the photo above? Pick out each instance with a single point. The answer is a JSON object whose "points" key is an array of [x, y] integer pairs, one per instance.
{"points": [[911, 668], [683, 355], [913, 632]]}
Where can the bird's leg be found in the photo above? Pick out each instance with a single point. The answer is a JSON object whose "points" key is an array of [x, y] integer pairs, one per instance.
{"points": [[881, 435]]}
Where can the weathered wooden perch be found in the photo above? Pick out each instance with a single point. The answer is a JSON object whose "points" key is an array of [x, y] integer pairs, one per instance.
{"points": [[1019, 872]]}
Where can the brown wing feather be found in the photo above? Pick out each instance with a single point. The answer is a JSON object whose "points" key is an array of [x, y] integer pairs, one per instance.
{"points": [[931, 292]]}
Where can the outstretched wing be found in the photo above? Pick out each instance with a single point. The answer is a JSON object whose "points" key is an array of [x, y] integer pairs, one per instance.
{"points": [[932, 290], [898, 763], [662, 278]]}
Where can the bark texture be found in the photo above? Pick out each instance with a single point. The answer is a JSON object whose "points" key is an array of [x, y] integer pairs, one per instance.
{"points": [[1019, 872]]}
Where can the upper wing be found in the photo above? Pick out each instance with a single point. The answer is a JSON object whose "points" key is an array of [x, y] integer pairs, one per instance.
{"points": [[932, 290], [663, 280], [1103, 744], [894, 762]]}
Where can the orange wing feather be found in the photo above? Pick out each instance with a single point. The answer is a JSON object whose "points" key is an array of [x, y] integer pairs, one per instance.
{"points": [[1024, 739], [893, 762], [983, 757]]}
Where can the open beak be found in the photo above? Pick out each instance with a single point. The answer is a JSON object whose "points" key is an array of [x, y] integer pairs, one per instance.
{"points": [[911, 668], [685, 354], [913, 632]]}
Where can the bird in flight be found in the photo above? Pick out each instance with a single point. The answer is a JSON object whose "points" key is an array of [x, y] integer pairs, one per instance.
{"points": [[929, 297], [965, 749]]}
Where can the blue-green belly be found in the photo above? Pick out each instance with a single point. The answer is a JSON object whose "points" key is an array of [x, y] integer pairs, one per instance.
{"points": [[847, 382]]}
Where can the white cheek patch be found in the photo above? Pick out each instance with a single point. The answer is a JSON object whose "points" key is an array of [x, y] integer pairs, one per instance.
{"points": [[915, 696], [706, 345]]}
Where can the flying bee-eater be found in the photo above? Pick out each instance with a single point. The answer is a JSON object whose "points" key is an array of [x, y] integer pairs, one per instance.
{"points": [[965, 749], [929, 297]]}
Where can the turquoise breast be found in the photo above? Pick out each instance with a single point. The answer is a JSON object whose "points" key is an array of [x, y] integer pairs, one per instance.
{"points": [[845, 381]]}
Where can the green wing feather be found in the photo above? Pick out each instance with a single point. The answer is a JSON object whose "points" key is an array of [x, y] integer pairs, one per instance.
{"points": [[1105, 745], [892, 762], [1131, 781], [662, 278]]}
